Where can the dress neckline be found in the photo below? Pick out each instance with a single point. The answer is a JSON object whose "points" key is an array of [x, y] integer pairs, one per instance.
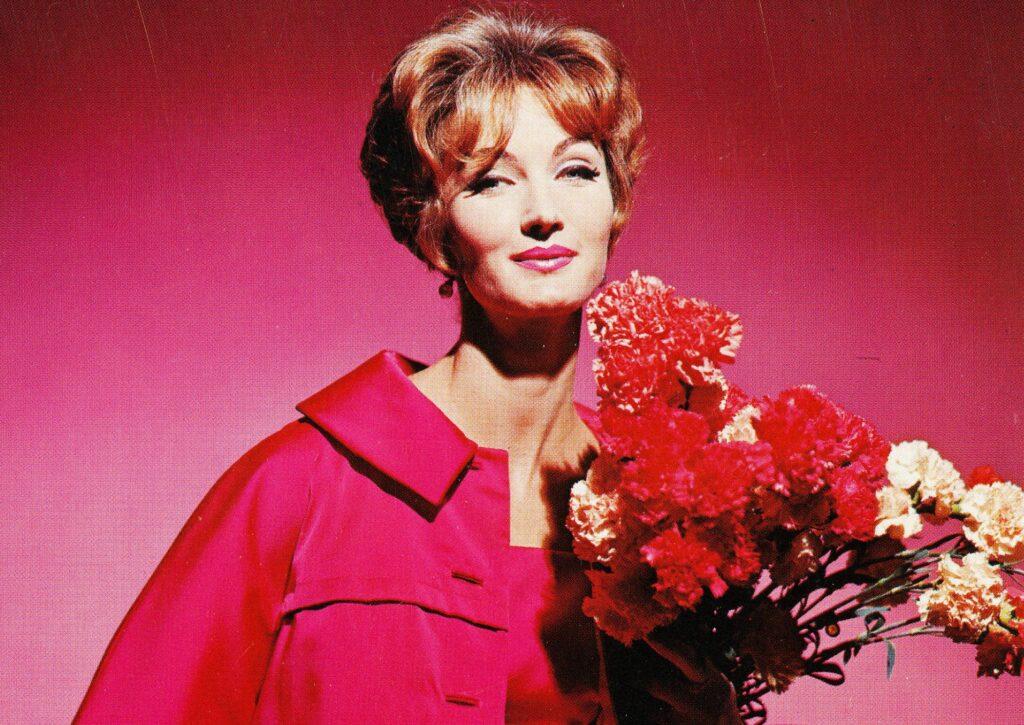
{"points": [[541, 548], [589, 417]]}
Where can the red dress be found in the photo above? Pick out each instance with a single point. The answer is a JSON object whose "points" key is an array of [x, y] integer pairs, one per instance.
{"points": [[554, 664]]}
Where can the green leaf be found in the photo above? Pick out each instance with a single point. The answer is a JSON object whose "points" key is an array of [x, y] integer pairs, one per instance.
{"points": [[890, 659], [864, 611]]}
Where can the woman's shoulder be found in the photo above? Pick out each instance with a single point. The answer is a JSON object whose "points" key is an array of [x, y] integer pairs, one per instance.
{"points": [[324, 416], [370, 418], [295, 445], [279, 467], [376, 417]]}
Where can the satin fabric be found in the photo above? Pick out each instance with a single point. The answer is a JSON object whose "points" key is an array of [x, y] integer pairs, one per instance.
{"points": [[553, 662], [352, 567]]}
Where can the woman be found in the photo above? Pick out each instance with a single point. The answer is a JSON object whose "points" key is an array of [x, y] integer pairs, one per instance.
{"points": [[398, 553]]}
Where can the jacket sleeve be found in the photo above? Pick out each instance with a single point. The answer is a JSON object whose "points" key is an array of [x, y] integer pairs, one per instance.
{"points": [[194, 646]]}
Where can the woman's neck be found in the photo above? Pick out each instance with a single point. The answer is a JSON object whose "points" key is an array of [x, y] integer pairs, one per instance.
{"points": [[519, 410], [508, 383]]}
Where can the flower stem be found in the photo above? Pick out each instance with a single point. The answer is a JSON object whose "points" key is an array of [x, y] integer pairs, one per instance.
{"points": [[824, 593], [828, 582], [826, 654], [905, 554], [837, 614], [895, 625]]}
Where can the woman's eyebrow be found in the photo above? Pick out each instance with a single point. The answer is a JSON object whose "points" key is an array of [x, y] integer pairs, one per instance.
{"points": [[562, 146]]}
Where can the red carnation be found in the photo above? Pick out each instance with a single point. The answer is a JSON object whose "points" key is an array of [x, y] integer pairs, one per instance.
{"points": [[983, 474], [855, 505], [621, 602]]}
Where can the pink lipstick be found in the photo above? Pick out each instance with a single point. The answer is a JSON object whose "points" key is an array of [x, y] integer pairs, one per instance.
{"points": [[544, 259], [544, 265]]}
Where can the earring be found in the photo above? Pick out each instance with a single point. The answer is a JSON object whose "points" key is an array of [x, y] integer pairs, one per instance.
{"points": [[445, 290]]}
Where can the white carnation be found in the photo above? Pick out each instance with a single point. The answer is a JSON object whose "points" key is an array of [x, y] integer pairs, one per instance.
{"points": [[915, 464], [995, 520], [593, 519], [967, 598], [941, 485], [906, 463], [897, 517]]}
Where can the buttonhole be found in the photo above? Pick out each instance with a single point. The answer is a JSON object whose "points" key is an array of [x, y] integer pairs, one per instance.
{"points": [[467, 577], [465, 700]]}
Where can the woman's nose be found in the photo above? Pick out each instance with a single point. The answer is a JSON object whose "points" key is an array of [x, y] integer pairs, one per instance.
{"points": [[541, 218]]}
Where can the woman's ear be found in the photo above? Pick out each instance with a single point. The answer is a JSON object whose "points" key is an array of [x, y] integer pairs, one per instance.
{"points": [[432, 250], [450, 252]]}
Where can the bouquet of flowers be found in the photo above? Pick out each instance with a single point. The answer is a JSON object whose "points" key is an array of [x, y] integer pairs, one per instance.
{"points": [[758, 525]]}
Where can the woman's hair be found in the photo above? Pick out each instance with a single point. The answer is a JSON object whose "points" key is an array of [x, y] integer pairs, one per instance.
{"points": [[454, 89]]}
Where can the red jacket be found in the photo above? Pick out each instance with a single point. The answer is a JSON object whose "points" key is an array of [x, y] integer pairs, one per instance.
{"points": [[347, 569]]}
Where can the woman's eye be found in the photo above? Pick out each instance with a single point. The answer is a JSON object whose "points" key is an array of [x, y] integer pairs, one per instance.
{"points": [[582, 172], [487, 183], [483, 184]]}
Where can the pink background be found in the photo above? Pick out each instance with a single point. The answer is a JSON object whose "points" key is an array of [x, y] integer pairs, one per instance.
{"points": [[188, 250]]}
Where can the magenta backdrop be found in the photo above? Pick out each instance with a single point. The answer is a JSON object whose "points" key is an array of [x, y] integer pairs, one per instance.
{"points": [[188, 250]]}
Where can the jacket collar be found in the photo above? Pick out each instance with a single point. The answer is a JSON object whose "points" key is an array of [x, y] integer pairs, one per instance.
{"points": [[380, 415]]}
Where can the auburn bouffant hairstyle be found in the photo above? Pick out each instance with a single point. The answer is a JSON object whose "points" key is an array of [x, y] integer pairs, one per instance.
{"points": [[453, 90]]}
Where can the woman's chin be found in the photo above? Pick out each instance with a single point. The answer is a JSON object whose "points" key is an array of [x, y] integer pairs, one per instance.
{"points": [[553, 306], [539, 299]]}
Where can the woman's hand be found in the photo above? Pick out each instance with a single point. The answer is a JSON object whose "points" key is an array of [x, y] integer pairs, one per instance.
{"points": [[690, 684]]}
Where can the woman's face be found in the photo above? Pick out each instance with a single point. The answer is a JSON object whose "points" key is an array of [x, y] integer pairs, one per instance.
{"points": [[548, 193]]}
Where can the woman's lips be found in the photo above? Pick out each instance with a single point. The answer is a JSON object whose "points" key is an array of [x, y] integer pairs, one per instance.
{"points": [[545, 265]]}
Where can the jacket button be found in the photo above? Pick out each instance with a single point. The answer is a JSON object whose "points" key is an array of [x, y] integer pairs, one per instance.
{"points": [[464, 700], [456, 574]]}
